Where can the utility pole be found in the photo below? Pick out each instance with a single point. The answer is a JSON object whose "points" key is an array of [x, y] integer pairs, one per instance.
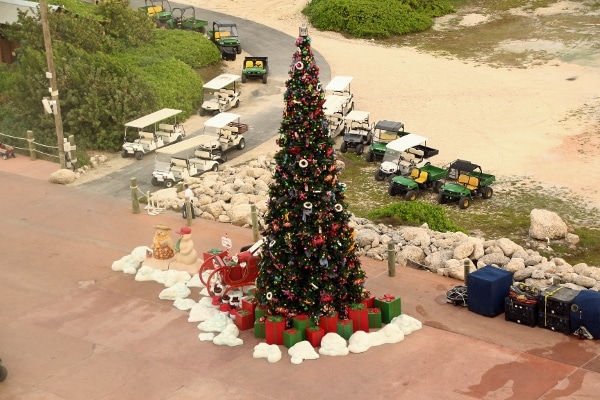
{"points": [[53, 86]]}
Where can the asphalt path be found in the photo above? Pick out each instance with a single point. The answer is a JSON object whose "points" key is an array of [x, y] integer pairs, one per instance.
{"points": [[264, 121]]}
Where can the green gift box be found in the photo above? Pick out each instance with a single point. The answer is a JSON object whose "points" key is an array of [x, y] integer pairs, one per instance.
{"points": [[291, 337], [301, 322], [260, 330], [390, 307], [260, 311], [344, 328], [374, 318]]}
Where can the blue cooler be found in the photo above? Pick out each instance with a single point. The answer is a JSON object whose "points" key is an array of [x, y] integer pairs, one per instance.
{"points": [[486, 290], [585, 311]]}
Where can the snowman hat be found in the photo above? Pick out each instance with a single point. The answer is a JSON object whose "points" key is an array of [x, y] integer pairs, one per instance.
{"points": [[164, 227], [184, 230]]}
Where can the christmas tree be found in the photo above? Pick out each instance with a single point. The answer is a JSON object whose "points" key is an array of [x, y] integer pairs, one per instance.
{"points": [[309, 263]]}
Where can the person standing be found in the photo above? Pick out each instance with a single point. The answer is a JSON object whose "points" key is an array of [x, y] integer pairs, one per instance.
{"points": [[188, 194]]}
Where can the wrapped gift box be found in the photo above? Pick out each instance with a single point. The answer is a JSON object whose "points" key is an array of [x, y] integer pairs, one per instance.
{"points": [[274, 327], [314, 334], [260, 311], [260, 331], [390, 307], [248, 304], [329, 323], [301, 322], [291, 337], [374, 317], [215, 252], [369, 302], [244, 320], [345, 328], [359, 316]]}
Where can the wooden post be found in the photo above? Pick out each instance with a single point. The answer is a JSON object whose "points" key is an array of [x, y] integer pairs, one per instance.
{"points": [[188, 211], [255, 233], [135, 202], [31, 142], [391, 258], [466, 270]]}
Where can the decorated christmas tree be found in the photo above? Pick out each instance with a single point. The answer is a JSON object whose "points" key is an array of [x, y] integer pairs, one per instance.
{"points": [[309, 264]]}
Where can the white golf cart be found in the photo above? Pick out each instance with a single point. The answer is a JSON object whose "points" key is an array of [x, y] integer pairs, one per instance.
{"points": [[228, 132], [152, 133], [183, 160], [220, 94], [339, 101], [358, 133], [404, 154]]}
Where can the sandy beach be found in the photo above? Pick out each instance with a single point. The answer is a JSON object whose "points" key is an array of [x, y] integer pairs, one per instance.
{"points": [[539, 122]]}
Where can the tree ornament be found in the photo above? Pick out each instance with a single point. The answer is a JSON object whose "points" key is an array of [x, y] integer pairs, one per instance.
{"points": [[299, 65], [303, 163], [338, 207]]}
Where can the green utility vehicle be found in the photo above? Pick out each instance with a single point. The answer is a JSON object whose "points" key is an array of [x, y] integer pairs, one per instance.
{"points": [[224, 35], [384, 132], [185, 18], [255, 68], [420, 179], [470, 182]]}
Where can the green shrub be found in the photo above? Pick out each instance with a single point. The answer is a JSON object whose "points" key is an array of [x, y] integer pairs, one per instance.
{"points": [[416, 213]]}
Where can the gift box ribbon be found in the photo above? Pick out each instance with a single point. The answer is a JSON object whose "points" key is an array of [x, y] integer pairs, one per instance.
{"points": [[387, 297]]}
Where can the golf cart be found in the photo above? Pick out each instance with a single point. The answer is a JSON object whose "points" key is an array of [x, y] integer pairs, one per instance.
{"points": [[255, 68], [222, 94], [152, 133], [420, 179], [358, 132], [471, 182], [161, 13], [228, 132], [384, 132], [183, 160], [185, 18], [338, 103], [224, 35], [404, 154]]}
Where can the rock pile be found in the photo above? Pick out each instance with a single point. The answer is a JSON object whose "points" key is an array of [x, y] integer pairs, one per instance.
{"points": [[226, 196]]}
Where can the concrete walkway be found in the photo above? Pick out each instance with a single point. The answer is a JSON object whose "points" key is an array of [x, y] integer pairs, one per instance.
{"points": [[71, 328]]}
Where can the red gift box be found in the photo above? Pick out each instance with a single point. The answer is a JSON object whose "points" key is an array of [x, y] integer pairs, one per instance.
{"points": [[359, 316], [329, 322], [274, 326], [314, 335], [244, 320], [369, 302], [248, 305]]}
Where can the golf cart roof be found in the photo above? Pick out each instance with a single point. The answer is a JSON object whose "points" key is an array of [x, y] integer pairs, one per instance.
{"points": [[333, 104], [221, 120], [406, 142], [221, 81], [339, 83], [225, 23], [153, 118], [355, 115], [188, 144], [392, 126], [463, 165]]}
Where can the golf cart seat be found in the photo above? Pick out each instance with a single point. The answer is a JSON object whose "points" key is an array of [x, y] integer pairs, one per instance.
{"points": [[422, 178], [146, 138], [470, 182], [177, 166], [226, 133], [404, 163], [407, 156], [167, 127], [204, 154], [154, 10], [259, 64], [228, 92], [250, 64], [417, 152]]}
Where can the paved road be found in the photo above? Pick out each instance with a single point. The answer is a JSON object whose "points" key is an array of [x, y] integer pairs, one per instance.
{"points": [[264, 120]]}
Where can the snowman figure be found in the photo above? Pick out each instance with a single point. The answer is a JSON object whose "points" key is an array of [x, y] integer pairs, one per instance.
{"points": [[185, 252]]}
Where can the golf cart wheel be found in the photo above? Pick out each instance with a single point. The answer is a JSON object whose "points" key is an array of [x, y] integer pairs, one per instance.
{"points": [[440, 198], [215, 167], [237, 104], [3, 373], [154, 181], [411, 195], [169, 183], [437, 185], [264, 78], [241, 144], [139, 155], [344, 147], [223, 157], [379, 176], [391, 190], [369, 157], [464, 202], [124, 154], [244, 78], [359, 149], [202, 112], [487, 193], [238, 50]]}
